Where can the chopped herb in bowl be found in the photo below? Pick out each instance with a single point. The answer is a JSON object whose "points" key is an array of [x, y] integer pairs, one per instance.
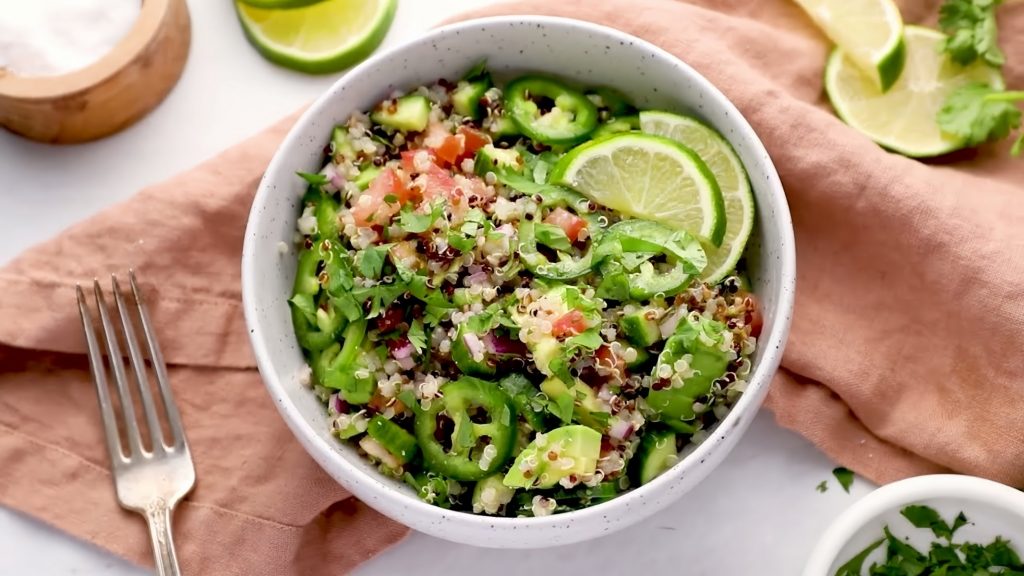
{"points": [[944, 557]]}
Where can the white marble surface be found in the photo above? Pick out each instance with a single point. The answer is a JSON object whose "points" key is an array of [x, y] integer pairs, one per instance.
{"points": [[759, 513]]}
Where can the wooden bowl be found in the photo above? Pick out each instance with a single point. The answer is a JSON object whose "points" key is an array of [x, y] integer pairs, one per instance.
{"points": [[109, 94]]}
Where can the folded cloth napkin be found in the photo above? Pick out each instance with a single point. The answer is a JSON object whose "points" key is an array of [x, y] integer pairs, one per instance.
{"points": [[902, 359]]}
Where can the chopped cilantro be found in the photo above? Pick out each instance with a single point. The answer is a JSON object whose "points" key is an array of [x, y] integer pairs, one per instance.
{"points": [[822, 486], [417, 336], [845, 478], [417, 223], [943, 558], [589, 339], [371, 261], [971, 31], [552, 236], [313, 178], [391, 199]]}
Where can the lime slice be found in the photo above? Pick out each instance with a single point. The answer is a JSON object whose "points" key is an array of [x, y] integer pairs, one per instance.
{"points": [[903, 119], [280, 4], [870, 31], [647, 177], [732, 179], [324, 37]]}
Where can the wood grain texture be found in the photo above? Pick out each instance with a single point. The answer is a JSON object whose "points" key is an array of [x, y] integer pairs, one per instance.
{"points": [[108, 95]]}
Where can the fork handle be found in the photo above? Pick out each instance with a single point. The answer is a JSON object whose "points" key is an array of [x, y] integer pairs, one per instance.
{"points": [[158, 516]]}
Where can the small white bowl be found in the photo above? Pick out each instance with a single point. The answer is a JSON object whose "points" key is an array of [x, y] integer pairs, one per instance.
{"points": [[591, 55], [993, 509]]}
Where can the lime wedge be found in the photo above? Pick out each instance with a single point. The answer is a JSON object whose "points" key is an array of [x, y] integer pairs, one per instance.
{"points": [[280, 4], [870, 31], [732, 179], [324, 37], [904, 118], [647, 177]]}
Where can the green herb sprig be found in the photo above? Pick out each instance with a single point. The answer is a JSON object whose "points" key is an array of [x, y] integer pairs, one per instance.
{"points": [[943, 558]]}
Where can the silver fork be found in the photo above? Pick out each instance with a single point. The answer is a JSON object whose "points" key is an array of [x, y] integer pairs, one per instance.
{"points": [[150, 482]]}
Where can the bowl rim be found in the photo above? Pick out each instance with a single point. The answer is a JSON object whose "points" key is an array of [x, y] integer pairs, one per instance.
{"points": [[902, 493], [152, 14], [745, 408]]}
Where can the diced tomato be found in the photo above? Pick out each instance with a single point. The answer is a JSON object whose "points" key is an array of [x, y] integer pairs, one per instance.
{"points": [[408, 162], [567, 221], [451, 149], [436, 182], [569, 324], [475, 140], [372, 208]]}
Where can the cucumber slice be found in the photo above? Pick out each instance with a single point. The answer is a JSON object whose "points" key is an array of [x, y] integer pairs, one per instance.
{"points": [[366, 175], [409, 113], [640, 330], [656, 454], [466, 97]]}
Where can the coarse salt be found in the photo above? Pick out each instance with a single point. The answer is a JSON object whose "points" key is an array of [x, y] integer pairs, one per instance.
{"points": [[53, 37]]}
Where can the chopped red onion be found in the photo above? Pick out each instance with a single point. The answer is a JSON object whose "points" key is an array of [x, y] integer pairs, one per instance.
{"points": [[474, 344], [620, 429]]}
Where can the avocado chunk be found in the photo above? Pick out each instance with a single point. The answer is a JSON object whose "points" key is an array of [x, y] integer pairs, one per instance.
{"points": [[639, 329], [466, 97], [656, 454], [701, 339], [409, 113], [587, 408], [567, 451], [498, 160], [490, 495]]}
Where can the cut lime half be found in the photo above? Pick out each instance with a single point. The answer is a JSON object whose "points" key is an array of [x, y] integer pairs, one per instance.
{"points": [[904, 118], [732, 179], [647, 177], [870, 31], [324, 37], [280, 4]]}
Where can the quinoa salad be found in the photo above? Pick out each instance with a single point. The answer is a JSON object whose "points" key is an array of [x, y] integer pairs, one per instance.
{"points": [[489, 332]]}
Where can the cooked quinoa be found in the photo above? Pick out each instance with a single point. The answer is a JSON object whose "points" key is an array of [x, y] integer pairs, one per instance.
{"points": [[462, 326]]}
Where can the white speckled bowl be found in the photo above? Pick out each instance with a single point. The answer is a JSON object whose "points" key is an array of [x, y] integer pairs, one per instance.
{"points": [[993, 509], [592, 55]]}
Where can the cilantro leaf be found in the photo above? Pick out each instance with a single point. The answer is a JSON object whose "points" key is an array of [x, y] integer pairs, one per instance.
{"points": [[417, 336], [856, 564], [417, 223], [1000, 554], [927, 517], [313, 178], [348, 306], [1018, 146], [371, 261], [822, 486], [552, 236], [845, 478], [461, 242], [561, 407], [971, 29], [477, 72], [979, 113], [304, 304], [589, 339]]}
